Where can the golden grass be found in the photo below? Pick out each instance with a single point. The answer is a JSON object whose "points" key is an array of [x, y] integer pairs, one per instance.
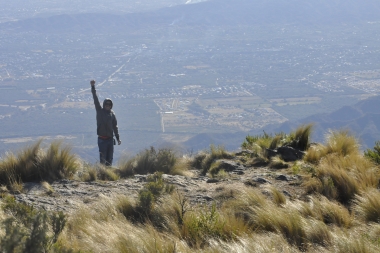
{"points": [[150, 161], [331, 212], [278, 197], [340, 143], [341, 177], [204, 160], [315, 153], [367, 205], [300, 138], [37, 164], [277, 163], [342, 215]]}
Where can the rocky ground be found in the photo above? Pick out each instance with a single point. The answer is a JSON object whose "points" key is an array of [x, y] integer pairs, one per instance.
{"points": [[68, 195]]}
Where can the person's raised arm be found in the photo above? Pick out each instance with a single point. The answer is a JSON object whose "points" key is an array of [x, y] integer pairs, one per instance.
{"points": [[95, 97]]}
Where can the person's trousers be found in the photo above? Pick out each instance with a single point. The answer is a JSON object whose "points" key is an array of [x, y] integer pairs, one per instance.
{"points": [[105, 151]]}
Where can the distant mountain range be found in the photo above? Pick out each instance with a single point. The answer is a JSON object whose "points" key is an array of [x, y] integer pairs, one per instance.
{"points": [[361, 119], [212, 13]]}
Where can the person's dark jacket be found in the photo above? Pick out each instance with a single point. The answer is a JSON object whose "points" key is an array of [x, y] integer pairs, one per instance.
{"points": [[106, 120]]}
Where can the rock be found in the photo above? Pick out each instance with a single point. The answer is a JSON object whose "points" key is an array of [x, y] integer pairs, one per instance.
{"points": [[288, 154], [212, 180], [261, 180], [229, 166], [141, 178], [238, 172], [244, 153], [287, 193], [282, 178]]}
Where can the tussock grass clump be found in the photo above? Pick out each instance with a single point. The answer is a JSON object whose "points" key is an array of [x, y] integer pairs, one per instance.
{"points": [[257, 142], [341, 177], [315, 153], [277, 163], [143, 209], [217, 171], [317, 232], [98, 172], [300, 138], [278, 197], [340, 143], [204, 160], [367, 205], [36, 164], [290, 224], [331, 212], [150, 161], [106, 174]]}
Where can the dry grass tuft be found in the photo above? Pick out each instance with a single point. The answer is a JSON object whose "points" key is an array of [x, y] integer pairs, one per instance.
{"points": [[342, 143], [204, 160], [278, 197], [36, 164], [341, 177], [277, 163], [150, 161], [315, 153], [367, 205]]}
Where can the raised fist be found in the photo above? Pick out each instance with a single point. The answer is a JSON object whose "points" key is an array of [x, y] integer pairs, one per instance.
{"points": [[92, 82]]}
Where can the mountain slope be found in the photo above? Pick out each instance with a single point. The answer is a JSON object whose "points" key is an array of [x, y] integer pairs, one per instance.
{"points": [[362, 119]]}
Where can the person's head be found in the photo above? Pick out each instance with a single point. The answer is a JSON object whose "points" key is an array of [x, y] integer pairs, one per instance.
{"points": [[107, 104]]}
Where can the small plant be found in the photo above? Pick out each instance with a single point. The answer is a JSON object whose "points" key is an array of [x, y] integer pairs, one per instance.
{"points": [[146, 202], [278, 197], [147, 199], [183, 206], [277, 163], [374, 154], [198, 228], [29, 230], [257, 142]]}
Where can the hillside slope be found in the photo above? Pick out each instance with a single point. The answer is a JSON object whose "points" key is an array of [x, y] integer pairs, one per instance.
{"points": [[363, 119]]}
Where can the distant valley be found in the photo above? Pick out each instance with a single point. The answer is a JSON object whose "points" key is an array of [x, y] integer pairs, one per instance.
{"points": [[192, 75]]}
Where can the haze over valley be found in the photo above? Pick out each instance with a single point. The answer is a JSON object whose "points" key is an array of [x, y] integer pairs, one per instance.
{"points": [[184, 75]]}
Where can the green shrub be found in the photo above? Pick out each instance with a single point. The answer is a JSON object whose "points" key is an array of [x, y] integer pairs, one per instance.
{"points": [[29, 230], [374, 154], [151, 192], [199, 227], [257, 141], [146, 201]]}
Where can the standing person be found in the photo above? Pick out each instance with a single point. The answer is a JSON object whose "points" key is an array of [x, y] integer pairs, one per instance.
{"points": [[106, 127]]}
